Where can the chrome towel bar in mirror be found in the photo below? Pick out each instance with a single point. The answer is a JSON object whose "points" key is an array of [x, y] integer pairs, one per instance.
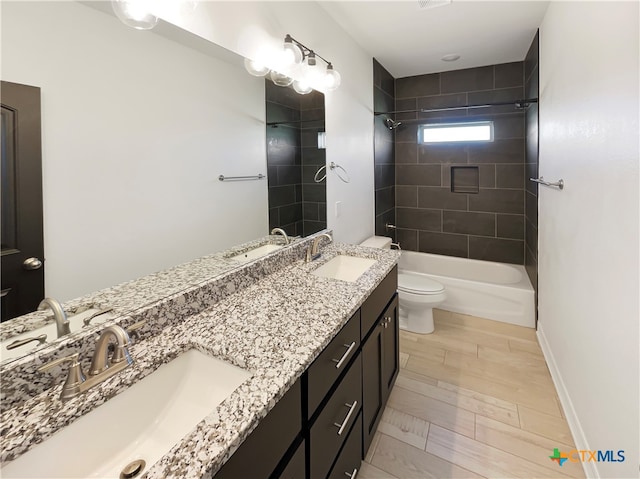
{"points": [[240, 178], [332, 166]]}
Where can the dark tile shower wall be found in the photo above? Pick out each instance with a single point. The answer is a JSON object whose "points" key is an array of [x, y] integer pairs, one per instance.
{"points": [[384, 152], [284, 159], [531, 76], [314, 195], [489, 224], [296, 203]]}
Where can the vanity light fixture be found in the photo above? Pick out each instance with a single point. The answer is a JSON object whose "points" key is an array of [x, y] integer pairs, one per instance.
{"points": [[280, 79], [256, 68], [302, 87], [295, 54], [135, 13]]}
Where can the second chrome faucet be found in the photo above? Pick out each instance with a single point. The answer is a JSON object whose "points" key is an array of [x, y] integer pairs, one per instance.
{"points": [[313, 251]]}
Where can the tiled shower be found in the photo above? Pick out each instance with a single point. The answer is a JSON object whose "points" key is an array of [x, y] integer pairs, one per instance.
{"points": [[296, 202], [481, 214]]}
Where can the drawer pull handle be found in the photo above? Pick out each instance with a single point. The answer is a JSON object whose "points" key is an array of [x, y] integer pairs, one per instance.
{"points": [[353, 474], [345, 355], [387, 320], [352, 408]]}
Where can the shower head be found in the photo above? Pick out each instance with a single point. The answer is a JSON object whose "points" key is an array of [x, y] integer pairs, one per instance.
{"points": [[392, 124]]}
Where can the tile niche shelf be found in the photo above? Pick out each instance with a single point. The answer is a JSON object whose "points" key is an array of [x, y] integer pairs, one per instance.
{"points": [[465, 179]]}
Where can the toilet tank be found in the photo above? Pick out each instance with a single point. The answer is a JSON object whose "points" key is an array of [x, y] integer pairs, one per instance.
{"points": [[380, 242]]}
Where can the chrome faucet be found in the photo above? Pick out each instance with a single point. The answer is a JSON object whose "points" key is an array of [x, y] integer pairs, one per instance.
{"points": [[282, 232], [313, 252], [102, 367], [62, 323]]}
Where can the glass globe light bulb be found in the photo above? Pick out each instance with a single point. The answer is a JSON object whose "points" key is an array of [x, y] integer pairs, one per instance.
{"points": [[302, 87], [135, 13], [332, 78], [255, 68], [292, 53], [280, 79]]}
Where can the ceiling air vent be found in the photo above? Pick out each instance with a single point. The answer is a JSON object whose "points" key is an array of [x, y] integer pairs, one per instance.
{"points": [[424, 4]]}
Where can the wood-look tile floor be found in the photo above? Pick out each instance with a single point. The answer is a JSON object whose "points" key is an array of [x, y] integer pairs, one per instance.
{"points": [[474, 399]]}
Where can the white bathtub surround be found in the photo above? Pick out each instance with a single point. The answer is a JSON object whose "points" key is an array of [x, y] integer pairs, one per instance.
{"points": [[497, 291]]}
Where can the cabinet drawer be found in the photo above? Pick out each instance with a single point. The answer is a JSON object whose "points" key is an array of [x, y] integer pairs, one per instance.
{"points": [[332, 362], [348, 462], [258, 456], [375, 304], [330, 429]]}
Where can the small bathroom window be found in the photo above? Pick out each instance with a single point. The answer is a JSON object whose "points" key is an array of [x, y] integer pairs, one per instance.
{"points": [[456, 132]]}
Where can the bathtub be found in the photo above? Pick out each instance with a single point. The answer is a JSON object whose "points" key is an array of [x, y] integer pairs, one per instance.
{"points": [[497, 291]]}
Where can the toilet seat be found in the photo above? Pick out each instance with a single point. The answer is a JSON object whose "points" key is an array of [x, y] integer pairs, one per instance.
{"points": [[420, 284]]}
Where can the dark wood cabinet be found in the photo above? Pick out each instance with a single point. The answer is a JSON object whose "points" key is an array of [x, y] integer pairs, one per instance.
{"points": [[380, 366], [330, 430], [260, 454], [348, 462], [391, 348], [295, 467], [324, 424], [332, 363]]}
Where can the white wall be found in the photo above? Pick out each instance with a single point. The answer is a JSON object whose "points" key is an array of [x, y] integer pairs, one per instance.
{"points": [[588, 233], [136, 129], [248, 28]]}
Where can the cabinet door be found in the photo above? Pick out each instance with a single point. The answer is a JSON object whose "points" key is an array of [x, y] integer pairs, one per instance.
{"points": [[372, 354], [295, 468], [390, 352], [260, 453]]}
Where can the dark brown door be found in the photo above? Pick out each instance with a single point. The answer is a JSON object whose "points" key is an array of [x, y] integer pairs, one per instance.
{"points": [[22, 237]]}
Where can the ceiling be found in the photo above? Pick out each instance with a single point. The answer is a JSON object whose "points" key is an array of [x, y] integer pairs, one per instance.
{"points": [[408, 40]]}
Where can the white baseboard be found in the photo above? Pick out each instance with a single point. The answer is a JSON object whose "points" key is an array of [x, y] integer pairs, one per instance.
{"points": [[590, 468]]}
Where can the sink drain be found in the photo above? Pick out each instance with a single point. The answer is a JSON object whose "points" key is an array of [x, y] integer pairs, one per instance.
{"points": [[132, 469]]}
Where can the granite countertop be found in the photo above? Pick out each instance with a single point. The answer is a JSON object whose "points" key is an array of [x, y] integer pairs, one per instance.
{"points": [[274, 328], [131, 295]]}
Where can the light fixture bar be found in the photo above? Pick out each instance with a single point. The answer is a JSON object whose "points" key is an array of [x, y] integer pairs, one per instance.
{"points": [[305, 49]]}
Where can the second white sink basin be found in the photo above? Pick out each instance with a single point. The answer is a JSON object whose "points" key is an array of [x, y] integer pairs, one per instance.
{"points": [[345, 268], [143, 422], [256, 253]]}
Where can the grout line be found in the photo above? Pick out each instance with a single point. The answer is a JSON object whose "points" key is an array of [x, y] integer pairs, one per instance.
{"points": [[519, 420]]}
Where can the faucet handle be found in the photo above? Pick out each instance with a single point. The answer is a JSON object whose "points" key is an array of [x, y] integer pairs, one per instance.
{"points": [[72, 358], [75, 377]]}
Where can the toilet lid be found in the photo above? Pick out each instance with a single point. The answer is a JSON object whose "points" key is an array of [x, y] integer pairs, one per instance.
{"points": [[418, 284]]}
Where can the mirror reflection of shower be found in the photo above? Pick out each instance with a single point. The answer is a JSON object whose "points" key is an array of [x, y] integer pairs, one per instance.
{"points": [[392, 124], [295, 152]]}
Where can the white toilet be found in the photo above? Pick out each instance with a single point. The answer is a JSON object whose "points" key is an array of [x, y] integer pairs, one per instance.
{"points": [[417, 293]]}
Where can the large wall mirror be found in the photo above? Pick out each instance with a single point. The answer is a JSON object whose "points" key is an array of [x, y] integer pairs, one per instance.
{"points": [[137, 127]]}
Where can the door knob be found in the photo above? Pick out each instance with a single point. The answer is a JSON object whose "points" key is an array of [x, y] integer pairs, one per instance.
{"points": [[32, 263]]}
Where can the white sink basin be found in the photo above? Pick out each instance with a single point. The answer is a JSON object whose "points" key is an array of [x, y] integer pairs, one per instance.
{"points": [[76, 323], [256, 253], [345, 268], [143, 422]]}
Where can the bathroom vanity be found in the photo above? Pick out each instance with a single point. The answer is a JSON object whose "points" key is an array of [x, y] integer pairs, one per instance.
{"points": [[320, 355], [326, 421]]}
